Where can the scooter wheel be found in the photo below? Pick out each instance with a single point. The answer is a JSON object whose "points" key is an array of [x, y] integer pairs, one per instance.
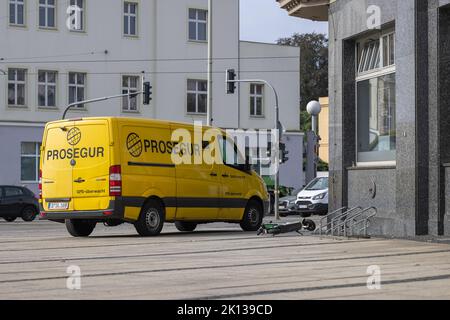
{"points": [[309, 225]]}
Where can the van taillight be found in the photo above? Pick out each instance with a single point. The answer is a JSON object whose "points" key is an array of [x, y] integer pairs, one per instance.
{"points": [[115, 181], [40, 184]]}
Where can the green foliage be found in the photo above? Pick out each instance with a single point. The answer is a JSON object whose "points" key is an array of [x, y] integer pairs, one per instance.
{"points": [[270, 183], [305, 121], [313, 65], [322, 166]]}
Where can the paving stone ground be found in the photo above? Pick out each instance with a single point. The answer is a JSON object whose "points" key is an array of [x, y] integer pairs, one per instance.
{"points": [[217, 262]]}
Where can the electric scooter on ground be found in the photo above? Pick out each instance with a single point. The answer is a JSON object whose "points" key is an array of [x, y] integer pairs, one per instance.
{"points": [[275, 228]]}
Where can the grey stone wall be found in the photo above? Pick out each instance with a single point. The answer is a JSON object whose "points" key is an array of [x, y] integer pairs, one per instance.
{"points": [[407, 214], [446, 216], [376, 188]]}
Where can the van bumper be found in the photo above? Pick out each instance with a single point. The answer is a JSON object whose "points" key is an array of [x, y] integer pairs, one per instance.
{"points": [[115, 211]]}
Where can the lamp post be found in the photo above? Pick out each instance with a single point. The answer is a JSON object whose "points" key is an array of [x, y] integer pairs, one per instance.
{"points": [[209, 103], [313, 108]]}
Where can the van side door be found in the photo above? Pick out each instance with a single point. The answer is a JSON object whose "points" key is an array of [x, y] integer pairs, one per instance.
{"points": [[234, 181], [198, 185]]}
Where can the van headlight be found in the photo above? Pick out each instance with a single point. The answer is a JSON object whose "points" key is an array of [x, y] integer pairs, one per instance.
{"points": [[320, 196]]}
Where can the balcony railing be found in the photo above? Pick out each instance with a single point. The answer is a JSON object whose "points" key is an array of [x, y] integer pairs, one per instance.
{"points": [[316, 10]]}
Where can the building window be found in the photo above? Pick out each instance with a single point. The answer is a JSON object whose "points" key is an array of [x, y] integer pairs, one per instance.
{"points": [[17, 87], [198, 24], [375, 54], [376, 105], [77, 23], [77, 88], [388, 50], [130, 84], [47, 89], [29, 161], [197, 94], [256, 100], [47, 13], [17, 12], [130, 15]]}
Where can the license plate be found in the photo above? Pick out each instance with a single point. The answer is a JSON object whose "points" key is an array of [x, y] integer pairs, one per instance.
{"points": [[282, 207], [58, 205], [303, 207]]}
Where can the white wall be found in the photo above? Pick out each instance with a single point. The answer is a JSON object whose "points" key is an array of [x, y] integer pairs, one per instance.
{"points": [[163, 34], [284, 60], [103, 32]]}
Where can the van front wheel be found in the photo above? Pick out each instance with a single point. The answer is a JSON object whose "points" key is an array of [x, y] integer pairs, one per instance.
{"points": [[253, 217], [80, 228], [151, 220]]}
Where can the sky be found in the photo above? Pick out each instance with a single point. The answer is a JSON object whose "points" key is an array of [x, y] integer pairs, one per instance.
{"points": [[265, 21]]}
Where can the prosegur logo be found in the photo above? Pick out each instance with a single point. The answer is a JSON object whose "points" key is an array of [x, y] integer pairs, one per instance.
{"points": [[73, 153], [74, 136], [134, 145]]}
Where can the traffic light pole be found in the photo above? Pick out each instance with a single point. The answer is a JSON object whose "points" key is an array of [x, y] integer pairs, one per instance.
{"points": [[146, 92], [96, 100], [277, 149]]}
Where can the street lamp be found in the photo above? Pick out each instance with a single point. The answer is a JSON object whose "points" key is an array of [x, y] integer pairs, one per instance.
{"points": [[313, 108]]}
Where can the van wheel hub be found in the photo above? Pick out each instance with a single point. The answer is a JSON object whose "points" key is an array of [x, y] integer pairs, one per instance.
{"points": [[253, 215], [153, 218]]}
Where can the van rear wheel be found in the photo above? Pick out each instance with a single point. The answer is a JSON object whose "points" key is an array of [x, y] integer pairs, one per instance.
{"points": [[253, 216], [151, 219], [80, 228], [185, 226]]}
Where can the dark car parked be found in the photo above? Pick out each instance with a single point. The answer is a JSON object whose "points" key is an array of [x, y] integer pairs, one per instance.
{"points": [[18, 202]]}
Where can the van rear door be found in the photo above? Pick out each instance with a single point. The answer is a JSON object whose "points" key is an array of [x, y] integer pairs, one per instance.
{"points": [[56, 172], [91, 143]]}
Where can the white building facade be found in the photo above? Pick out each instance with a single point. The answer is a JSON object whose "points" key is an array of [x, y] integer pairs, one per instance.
{"points": [[45, 65]]}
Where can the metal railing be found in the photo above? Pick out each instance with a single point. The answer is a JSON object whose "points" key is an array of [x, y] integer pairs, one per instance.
{"points": [[344, 221], [321, 226], [340, 229], [353, 222], [334, 217]]}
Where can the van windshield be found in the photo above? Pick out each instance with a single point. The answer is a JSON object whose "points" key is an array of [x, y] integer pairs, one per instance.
{"points": [[318, 184]]}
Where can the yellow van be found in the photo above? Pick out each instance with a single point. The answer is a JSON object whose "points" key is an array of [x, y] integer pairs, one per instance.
{"points": [[117, 170]]}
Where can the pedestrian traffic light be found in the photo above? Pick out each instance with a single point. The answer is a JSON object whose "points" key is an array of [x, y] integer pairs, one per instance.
{"points": [[147, 93], [231, 83], [283, 153]]}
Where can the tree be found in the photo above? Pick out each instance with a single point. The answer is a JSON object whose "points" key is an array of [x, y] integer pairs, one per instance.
{"points": [[313, 69]]}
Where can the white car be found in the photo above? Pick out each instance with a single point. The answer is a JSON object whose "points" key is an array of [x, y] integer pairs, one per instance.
{"points": [[313, 199]]}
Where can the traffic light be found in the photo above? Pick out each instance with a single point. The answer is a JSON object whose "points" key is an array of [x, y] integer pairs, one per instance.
{"points": [[147, 93], [231, 83], [283, 153]]}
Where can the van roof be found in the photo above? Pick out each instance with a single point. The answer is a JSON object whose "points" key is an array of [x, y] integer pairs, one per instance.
{"points": [[126, 119]]}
